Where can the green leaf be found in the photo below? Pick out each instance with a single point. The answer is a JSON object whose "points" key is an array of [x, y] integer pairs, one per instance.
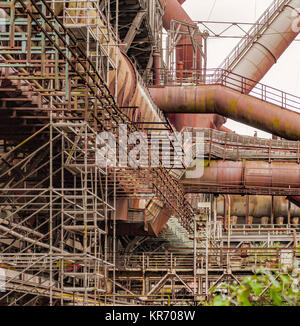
{"points": [[285, 279], [256, 287], [212, 289], [275, 283], [220, 301], [276, 296], [243, 297]]}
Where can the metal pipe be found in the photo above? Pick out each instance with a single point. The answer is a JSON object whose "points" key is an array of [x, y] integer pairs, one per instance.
{"points": [[174, 11], [184, 58], [258, 50], [263, 45], [229, 103], [258, 206], [156, 68], [248, 174]]}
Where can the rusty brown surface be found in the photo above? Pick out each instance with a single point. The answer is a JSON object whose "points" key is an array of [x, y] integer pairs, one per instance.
{"points": [[229, 103], [184, 59], [268, 45], [259, 206], [247, 174], [158, 223], [295, 200], [122, 209]]}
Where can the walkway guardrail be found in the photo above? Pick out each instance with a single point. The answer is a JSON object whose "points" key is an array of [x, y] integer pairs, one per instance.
{"points": [[218, 76]]}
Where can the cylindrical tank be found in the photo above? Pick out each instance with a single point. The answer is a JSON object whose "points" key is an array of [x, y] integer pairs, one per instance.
{"points": [[259, 206]]}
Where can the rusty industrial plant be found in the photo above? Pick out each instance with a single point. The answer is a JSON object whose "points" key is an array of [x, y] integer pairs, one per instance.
{"points": [[76, 232]]}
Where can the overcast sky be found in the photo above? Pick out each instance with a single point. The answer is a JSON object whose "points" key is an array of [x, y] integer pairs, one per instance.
{"points": [[284, 75]]}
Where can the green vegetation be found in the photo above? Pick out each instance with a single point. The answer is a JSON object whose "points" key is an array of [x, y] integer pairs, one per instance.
{"points": [[265, 288]]}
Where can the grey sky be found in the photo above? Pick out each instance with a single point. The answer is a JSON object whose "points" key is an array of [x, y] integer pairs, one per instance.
{"points": [[284, 75]]}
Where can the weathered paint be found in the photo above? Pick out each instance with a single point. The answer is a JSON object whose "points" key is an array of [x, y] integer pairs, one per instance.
{"points": [[247, 173], [259, 206], [231, 104], [184, 58]]}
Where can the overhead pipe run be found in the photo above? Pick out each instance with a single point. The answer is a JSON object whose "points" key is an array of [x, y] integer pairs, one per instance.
{"points": [[130, 91], [231, 104], [266, 41], [259, 206], [184, 48], [184, 60], [247, 174], [127, 87]]}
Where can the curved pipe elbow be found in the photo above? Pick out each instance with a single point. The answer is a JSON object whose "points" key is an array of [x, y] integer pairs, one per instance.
{"points": [[231, 104]]}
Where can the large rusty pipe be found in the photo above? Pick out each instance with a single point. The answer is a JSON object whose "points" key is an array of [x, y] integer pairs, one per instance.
{"points": [[129, 91], [184, 54], [247, 174], [259, 206], [184, 48], [229, 103], [124, 83], [266, 47], [263, 51]]}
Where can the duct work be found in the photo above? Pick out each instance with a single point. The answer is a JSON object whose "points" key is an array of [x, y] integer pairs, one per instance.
{"points": [[255, 174], [265, 42], [126, 85], [210, 99], [253, 209], [76, 231], [259, 206], [251, 59], [215, 100], [184, 61], [229, 103]]}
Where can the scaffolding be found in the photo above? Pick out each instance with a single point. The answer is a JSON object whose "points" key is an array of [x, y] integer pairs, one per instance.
{"points": [[58, 206], [58, 219]]}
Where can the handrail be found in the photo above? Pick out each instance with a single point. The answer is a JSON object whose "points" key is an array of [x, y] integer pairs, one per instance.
{"points": [[277, 229], [218, 76], [185, 260]]}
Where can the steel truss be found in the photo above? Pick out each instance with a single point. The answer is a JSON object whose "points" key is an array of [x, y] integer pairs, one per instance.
{"points": [[55, 225], [58, 217]]}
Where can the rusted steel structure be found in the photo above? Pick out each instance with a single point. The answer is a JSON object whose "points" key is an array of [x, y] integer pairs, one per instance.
{"points": [[73, 231], [265, 42], [257, 176], [266, 108], [189, 53], [57, 101]]}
